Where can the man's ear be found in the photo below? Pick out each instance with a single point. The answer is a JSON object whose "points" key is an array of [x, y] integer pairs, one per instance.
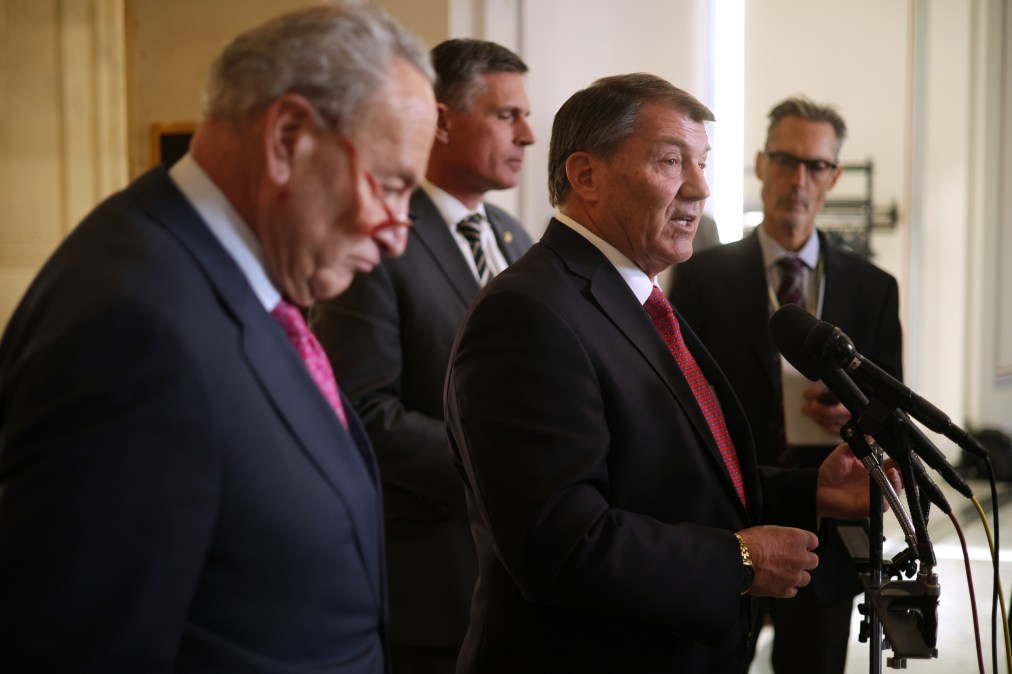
{"points": [[837, 172], [582, 170], [760, 165], [442, 123], [289, 123]]}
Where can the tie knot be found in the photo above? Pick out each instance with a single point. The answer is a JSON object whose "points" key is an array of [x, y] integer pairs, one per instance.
{"points": [[790, 265], [791, 289], [657, 303], [470, 227], [290, 318]]}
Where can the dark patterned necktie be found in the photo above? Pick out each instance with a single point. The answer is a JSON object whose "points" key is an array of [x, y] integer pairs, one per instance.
{"points": [[308, 347], [790, 290], [659, 309], [470, 229]]}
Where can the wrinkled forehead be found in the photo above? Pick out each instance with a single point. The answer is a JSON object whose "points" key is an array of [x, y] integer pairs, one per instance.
{"points": [[804, 138], [668, 127]]}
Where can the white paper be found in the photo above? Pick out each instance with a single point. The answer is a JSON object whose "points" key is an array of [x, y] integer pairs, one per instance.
{"points": [[799, 429]]}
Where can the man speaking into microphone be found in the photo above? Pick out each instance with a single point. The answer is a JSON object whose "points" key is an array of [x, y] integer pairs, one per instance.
{"points": [[787, 260]]}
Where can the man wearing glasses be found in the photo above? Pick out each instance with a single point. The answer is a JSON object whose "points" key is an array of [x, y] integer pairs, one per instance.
{"points": [[727, 295], [389, 340], [182, 485]]}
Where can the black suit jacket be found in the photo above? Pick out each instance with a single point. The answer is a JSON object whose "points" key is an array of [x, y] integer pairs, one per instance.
{"points": [[602, 512], [722, 294], [389, 339], [176, 495]]}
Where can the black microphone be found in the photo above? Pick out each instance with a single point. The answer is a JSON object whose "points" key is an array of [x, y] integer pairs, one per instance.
{"points": [[817, 349], [826, 342]]}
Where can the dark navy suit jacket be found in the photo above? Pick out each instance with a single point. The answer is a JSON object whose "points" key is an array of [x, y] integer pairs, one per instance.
{"points": [[175, 492]]}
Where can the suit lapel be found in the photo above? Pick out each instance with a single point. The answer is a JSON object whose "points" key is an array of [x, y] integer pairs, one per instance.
{"points": [[748, 278], [508, 240], [836, 307], [607, 289], [433, 235], [345, 462]]}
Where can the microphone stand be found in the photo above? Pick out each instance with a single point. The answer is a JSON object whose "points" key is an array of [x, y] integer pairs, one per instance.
{"points": [[906, 610]]}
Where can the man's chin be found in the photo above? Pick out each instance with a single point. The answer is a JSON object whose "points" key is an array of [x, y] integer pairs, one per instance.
{"points": [[324, 285]]}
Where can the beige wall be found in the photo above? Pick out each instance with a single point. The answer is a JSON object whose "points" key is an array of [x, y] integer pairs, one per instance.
{"points": [[169, 47], [62, 114]]}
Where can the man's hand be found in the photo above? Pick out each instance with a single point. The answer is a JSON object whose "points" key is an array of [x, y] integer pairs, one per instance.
{"points": [[782, 557], [829, 416], [844, 490]]}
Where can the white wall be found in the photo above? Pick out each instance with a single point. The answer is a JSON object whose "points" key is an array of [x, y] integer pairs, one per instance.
{"points": [[570, 43]]}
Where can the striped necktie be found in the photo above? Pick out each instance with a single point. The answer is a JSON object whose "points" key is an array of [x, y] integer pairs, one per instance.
{"points": [[470, 229], [790, 290], [659, 309]]}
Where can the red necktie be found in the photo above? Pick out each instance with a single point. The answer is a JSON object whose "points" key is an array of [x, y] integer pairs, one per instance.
{"points": [[311, 353], [659, 309]]}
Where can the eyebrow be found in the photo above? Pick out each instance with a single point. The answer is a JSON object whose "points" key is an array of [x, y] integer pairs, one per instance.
{"points": [[681, 144]]}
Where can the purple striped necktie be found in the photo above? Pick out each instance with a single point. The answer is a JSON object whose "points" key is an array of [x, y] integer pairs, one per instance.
{"points": [[790, 291]]}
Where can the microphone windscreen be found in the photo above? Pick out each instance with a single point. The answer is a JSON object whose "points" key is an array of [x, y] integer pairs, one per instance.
{"points": [[790, 326], [819, 338]]}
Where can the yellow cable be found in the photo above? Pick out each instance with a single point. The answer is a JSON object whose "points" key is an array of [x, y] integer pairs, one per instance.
{"points": [[1001, 595]]}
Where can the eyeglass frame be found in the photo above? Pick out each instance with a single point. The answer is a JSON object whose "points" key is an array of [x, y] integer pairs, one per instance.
{"points": [[392, 220], [817, 169]]}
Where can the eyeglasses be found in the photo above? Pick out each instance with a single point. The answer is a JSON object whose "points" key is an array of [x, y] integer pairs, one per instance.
{"points": [[392, 220], [785, 163]]}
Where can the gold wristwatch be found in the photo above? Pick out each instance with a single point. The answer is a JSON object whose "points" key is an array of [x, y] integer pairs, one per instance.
{"points": [[746, 564]]}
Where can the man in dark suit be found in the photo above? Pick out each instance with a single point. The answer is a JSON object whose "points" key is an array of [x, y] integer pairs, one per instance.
{"points": [[180, 488], [727, 295], [620, 519], [389, 340]]}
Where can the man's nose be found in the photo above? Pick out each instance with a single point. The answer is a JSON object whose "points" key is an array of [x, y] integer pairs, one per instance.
{"points": [[799, 176], [392, 240], [525, 134], [695, 188]]}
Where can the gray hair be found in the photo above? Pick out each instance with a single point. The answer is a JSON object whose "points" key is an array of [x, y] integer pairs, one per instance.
{"points": [[460, 64], [599, 118], [335, 55], [800, 106]]}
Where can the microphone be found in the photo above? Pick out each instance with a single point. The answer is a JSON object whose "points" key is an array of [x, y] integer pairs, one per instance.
{"points": [[818, 349], [826, 342]]}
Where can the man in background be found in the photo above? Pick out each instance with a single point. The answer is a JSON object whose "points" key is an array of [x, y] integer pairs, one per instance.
{"points": [[389, 340], [728, 294], [182, 487], [620, 520]]}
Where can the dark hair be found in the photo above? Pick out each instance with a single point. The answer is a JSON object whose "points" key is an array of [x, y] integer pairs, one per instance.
{"points": [[460, 64], [800, 106], [597, 119]]}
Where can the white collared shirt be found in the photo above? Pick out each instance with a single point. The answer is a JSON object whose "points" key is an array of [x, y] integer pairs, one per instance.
{"points": [[640, 284], [453, 212], [227, 226]]}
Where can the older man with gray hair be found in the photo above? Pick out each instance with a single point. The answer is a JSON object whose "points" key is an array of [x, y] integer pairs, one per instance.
{"points": [[182, 485]]}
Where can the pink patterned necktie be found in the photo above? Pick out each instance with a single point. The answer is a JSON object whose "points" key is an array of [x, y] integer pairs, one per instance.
{"points": [[659, 309], [311, 353]]}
